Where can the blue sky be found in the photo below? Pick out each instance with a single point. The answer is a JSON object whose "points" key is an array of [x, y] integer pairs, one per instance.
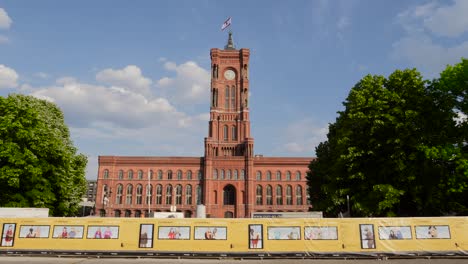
{"points": [[132, 77]]}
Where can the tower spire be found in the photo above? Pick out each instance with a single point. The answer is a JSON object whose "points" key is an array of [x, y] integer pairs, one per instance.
{"points": [[230, 43]]}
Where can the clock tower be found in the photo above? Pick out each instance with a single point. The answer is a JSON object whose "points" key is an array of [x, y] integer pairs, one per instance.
{"points": [[229, 143]]}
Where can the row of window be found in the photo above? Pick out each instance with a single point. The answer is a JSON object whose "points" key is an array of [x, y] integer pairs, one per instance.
{"points": [[223, 174], [268, 194]]}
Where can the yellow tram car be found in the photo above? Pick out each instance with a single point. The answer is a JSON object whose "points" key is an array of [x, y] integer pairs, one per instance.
{"points": [[256, 237]]}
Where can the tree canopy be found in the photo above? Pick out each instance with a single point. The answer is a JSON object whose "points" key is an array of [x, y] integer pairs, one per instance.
{"points": [[39, 166], [397, 148]]}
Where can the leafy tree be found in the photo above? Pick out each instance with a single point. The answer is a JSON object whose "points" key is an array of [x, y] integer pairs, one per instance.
{"points": [[395, 149], [39, 166]]}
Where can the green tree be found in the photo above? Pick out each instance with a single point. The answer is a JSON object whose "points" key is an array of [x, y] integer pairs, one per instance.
{"points": [[392, 150], [39, 166]]}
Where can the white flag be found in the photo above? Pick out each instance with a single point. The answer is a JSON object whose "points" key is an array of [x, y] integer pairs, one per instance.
{"points": [[226, 24]]}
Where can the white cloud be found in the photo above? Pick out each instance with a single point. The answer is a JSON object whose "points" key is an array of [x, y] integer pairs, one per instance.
{"points": [[42, 75], [303, 136], [191, 83], [5, 20], [8, 77], [421, 45], [129, 77]]}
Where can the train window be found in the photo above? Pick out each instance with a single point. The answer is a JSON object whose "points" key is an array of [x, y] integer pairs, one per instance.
{"points": [[174, 232], [67, 231], [146, 236], [8, 235], [284, 233], [321, 233], [34, 231], [210, 233], [367, 236], [433, 232], [103, 232], [394, 232], [255, 236]]}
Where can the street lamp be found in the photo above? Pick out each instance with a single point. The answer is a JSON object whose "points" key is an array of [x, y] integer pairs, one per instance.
{"points": [[349, 211]]}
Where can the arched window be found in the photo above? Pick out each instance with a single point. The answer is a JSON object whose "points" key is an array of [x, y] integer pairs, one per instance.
{"points": [[226, 98], [229, 195], [225, 130], [178, 194], [288, 175], [120, 174], [189, 175], [233, 97], [215, 197], [268, 176], [269, 195], [139, 193], [188, 194], [279, 195], [118, 197], [259, 195], [242, 175], [117, 213], [149, 193], [137, 213], [128, 213], [200, 175], [129, 194], [159, 194], [259, 175], [228, 174], [105, 198], [278, 175], [221, 175], [130, 174], [179, 175], [298, 175], [215, 174], [160, 174], [140, 174], [235, 176], [199, 194], [169, 175], [169, 194], [151, 174], [289, 195], [299, 195], [234, 132], [106, 174]]}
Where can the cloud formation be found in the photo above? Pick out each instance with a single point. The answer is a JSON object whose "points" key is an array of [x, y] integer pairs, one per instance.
{"points": [[8, 77], [303, 136], [129, 77], [5, 20]]}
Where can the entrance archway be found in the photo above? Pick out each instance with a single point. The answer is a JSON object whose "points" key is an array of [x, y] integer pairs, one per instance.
{"points": [[229, 195]]}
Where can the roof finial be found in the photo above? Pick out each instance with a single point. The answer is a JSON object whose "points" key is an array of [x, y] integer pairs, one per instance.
{"points": [[230, 43]]}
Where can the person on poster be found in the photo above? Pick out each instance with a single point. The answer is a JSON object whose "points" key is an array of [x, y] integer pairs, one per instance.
{"points": [[64, 233], [208, 234], [9, 236], [392, 235], [98, 233], [171, 234], [72, 233], [31, 233], [432, 232], [108, 233], [143, 238], [369, 237], [254, 238]]}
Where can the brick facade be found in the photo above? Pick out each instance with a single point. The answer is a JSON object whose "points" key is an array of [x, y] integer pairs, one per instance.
{"points": [[229, 179]]}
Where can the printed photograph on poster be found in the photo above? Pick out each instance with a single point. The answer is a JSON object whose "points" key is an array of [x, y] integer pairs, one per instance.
{"points": [[174, 232], [395, 232], [433, 232], [68, 231], [321, 233], [34, 231], [284, 233], [103, 232], [367, 236], [146, 236], [8, 235], [255, 236], [210, 232]]}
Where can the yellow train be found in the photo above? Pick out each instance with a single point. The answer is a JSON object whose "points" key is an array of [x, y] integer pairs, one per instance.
{"points": [[236, 237]]}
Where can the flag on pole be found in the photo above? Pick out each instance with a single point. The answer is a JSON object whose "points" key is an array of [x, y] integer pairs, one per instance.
{"points": [[226, 24]]}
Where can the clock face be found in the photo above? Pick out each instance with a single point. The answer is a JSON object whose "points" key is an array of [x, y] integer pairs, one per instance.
{"points": [[229, 75]]}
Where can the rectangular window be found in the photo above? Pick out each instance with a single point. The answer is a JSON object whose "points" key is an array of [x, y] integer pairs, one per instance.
{"points": [[62, 231], [8, 235], [321, 233], [146, 236], [367, 236], [34, 231], [210, 233], [103, 232], [284, 233], [433, 232], [174, 232], [255, 236]]}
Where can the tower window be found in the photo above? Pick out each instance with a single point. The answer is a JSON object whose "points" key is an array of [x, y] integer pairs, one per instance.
{"points": [[234, 133], [233, 97], [225, 133], [226, 98]]}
